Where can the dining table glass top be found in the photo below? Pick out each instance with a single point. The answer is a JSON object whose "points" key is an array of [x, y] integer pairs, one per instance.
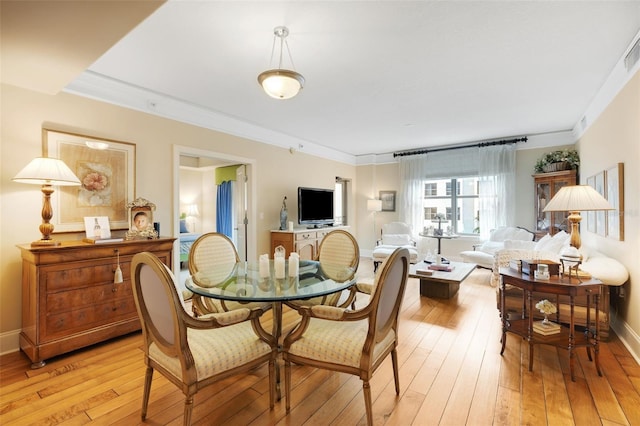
{"points": [[246, 281]]}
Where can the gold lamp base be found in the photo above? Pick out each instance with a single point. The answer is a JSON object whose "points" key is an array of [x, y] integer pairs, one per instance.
{"points": [[45, 243], [574, 218]]}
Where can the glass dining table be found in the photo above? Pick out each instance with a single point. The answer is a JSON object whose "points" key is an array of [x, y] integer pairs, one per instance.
{"points": [[246, 282]]}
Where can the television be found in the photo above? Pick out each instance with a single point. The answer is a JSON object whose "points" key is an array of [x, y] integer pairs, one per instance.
{"points": [[315, 207]]}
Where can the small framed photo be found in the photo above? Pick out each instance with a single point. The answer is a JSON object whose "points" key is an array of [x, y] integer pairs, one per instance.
{"points": [[141, 220], [388, 201]]}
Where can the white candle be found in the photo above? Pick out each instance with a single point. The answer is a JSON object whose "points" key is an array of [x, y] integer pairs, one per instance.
{"points": [[290, 226], [294, 262], [264, 266], [278, 267]]}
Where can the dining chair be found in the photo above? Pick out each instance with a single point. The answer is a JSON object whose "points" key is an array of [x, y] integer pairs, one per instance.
{"points": [[192, 352], [353, 342], [338, 257], [217, 249]]}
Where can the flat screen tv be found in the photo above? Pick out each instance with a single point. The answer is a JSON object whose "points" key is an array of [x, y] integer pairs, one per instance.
{"points": [[315, 207]]}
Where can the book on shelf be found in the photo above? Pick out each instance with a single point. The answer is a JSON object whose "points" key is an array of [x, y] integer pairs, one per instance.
{"points": [[102, 240], [546, 329], [441, 268]]}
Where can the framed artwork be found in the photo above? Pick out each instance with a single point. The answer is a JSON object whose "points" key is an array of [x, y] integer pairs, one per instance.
{"points": [[388, 201], [615, 196], [591, 215], [106, 169], [141, 220], [601, 217]]}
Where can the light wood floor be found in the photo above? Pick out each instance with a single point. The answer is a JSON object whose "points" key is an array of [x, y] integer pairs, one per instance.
{"points": [[451, 373]]}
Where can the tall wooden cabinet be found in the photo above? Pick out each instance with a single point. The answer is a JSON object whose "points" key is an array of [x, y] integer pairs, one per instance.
{"points": [[546, 186], [305, 242], [69, 299]]}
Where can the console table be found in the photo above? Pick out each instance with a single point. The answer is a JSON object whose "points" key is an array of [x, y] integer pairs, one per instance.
{"points": [[567, 338]]}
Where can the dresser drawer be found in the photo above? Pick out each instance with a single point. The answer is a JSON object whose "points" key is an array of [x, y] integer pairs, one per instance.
{"points": [[304, 236]]}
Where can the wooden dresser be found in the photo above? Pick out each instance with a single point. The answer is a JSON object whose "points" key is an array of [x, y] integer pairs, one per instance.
{"points": [[69, 299]]}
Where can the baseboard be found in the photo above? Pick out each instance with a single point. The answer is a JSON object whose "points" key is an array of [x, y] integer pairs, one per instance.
{"points": [[629, 338], [9, 342]]}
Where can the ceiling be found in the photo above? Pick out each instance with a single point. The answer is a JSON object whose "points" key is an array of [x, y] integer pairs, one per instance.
{"points": [[381, 76]]}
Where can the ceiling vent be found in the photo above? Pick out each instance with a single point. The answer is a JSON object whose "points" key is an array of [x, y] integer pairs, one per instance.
{"points": [[633, 56]]}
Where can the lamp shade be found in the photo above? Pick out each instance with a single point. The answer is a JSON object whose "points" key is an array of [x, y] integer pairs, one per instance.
{"points": [[577, 198], [280, 83], [47, 171], [192, 210], [374, 205]]}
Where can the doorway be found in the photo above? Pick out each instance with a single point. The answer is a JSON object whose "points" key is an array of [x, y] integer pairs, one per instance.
{"points": [[244, 232]]}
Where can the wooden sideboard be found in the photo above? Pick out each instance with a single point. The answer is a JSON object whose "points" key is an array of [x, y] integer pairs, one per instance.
{"points": [[305, 242], [69, 299]]}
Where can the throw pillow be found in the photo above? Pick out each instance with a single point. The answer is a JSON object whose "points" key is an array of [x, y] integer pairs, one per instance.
{"points": [[183, 226], [542, 243]]}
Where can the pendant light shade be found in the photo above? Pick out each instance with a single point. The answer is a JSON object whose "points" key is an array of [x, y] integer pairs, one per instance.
{"points": [[280, 83]]}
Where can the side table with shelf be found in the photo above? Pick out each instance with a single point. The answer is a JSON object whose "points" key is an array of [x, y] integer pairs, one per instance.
{"points": [[568, 338], [69, 298]]}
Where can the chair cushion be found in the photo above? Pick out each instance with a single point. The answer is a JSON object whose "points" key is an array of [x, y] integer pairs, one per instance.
{"points": [[381, 252], [215, 351], [339, 342], [396, 239]]}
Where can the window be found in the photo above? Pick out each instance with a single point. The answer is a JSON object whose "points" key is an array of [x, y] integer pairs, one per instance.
{"points": [[459, 208]]}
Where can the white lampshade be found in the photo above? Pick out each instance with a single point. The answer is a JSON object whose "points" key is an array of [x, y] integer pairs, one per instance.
{"points": [[577, 198], [192, 210], [374, 205], [47, 171]]}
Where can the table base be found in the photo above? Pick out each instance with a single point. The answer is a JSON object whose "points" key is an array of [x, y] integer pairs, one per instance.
{"points": [[438, 289]]}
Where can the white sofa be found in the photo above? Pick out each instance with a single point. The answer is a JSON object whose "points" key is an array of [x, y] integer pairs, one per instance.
{"points": [[483, 254]]}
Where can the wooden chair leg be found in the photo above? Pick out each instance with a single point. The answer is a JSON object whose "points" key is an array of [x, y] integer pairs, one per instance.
{"points": [[272, 384], [188, 408], [147, 390], [366, 390], [287, 385], [396, 375]]}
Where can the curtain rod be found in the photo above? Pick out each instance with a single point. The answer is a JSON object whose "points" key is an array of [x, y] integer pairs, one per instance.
{"points": [[480, 145]]}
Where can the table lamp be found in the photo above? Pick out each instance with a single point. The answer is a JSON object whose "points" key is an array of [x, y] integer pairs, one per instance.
{"points": [[47, 172], [574, 199], [374, 206]]}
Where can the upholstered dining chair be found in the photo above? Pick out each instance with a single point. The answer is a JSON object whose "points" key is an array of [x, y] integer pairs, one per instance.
{"points": [[216, 249], [338, 257], [354, 342], [194, 352]]}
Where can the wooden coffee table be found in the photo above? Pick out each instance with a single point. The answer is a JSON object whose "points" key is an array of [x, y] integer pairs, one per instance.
{"points": [[441, 285]]}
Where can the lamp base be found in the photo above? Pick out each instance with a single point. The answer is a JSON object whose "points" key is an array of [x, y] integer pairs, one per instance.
{"points": [[45, 243]]}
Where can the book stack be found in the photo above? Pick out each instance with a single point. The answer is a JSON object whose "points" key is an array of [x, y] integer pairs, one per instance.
{"points": [[442, 268], [424, 272], [546, 329]]}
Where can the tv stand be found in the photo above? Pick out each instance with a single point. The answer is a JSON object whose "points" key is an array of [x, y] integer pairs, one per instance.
{"points": [[303, 241]]}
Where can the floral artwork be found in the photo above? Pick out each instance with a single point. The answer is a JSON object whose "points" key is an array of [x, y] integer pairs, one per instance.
{"points": [[96, 184], [107, 178]]}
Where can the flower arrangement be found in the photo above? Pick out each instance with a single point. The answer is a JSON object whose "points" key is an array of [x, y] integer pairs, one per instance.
{"points": [[568, 156], [546, 307]]}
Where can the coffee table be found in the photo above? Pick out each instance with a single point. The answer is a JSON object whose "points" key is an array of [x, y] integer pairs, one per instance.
{"points": [[441, 285]]}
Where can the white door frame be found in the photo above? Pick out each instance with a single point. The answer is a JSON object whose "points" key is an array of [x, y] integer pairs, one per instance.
{"points": [[252, 240]]}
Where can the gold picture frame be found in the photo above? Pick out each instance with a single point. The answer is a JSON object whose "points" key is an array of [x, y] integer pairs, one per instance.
{"points": [[141, 220], [106, 169], [615, 195]]}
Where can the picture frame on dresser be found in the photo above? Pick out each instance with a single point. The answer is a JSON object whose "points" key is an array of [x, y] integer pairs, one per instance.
{"points": [[106, 169]]}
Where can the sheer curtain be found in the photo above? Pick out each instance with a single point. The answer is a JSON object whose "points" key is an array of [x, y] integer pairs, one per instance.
{"points": [[495, 166], [497, 172]]}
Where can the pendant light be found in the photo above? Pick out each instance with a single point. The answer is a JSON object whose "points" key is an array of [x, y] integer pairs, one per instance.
{"points": [[281, 83]]}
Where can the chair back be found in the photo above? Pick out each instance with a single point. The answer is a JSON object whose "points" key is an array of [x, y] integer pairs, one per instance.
{"points": [[157, 302], [389, 291], [396, 228], [211, 249], [338, 251]]}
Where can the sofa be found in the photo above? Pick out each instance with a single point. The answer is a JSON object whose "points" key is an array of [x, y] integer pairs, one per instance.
{"points": [[483, 254], [606, 269]]}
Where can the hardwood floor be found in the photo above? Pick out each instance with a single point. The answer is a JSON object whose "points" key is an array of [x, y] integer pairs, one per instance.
{"points": [[451, 373]]}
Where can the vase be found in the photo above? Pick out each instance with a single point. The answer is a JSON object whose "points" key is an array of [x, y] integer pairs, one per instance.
{"points": [[283, 218]]}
